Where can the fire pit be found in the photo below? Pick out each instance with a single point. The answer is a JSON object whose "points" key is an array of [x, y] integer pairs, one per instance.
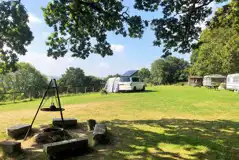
{"points": [[50, 135]]}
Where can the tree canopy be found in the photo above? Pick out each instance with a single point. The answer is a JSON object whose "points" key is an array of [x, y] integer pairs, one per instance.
{"points": [[144, 74], [72, 77], [169, 70], [75, 77], [15, 34], [27, 80], [77, 22], [218, 45]]}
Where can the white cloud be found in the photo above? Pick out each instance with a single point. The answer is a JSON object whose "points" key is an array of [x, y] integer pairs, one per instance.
{"points": [[117, 48], [104, 65], [47, 65], [33, 19]]}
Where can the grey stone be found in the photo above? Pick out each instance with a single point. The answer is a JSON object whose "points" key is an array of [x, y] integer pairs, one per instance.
{"points": [[100, 133], [10, 147], [68, 122], [91, 124], [50, 137], [18, 131], [66, 149]]}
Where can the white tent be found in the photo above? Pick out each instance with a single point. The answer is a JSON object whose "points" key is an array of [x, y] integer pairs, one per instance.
{"points": [[112, 85], [233, 81]]}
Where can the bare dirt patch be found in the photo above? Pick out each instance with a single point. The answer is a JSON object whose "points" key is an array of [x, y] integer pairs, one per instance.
{"points": [[80, 111]]}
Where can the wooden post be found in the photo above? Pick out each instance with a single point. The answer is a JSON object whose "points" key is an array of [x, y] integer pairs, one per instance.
{"points": [[13, 96], [85, 89], [30, 95]]}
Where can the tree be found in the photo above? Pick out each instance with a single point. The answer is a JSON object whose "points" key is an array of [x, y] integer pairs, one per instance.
{"points": [[96, 83], [144, 74], [227, 16], [73, 77], [15, 34], [76, 22], [169, 70], [217, 50], [27, 80]]}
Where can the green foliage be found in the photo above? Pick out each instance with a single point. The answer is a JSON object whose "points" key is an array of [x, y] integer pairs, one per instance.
{"points": [[178, 28], [75, 77], [81, 26], [218, 46], [26, 80], [144, 74], [15, 33], [95, 82], [76, 22], [227, 16], [72, 77], [169, 70]]}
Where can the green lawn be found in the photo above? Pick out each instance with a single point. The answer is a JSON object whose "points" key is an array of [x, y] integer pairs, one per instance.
{"points": [[166, 122]]}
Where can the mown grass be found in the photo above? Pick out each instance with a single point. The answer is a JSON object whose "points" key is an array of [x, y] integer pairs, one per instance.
{"points": [[166, 122]]}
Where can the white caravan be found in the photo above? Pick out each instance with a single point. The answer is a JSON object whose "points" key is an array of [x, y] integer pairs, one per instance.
{"points": [[213, 80], [233, 82]]}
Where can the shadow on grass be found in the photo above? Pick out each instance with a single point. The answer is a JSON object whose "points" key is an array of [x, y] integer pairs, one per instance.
{"points": [[146, 91], [169, 139], [172, 139]]}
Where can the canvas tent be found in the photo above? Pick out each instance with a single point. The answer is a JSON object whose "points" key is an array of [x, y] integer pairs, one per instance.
{"points": [[112, 85], [213, 80], [233, 82]]}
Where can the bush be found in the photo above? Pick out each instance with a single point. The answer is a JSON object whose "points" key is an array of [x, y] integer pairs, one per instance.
{"points": [[181, 84], [103, 91]]}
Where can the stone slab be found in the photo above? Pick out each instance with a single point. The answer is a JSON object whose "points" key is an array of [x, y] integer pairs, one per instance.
{"points": [[66, 149], [68, 122], [10, 147], [18, 131], [100, 133]]}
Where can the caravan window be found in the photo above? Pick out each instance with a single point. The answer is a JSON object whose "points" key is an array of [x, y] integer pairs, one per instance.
{"points": [[124, 79], [219, 80], [236, 79]]}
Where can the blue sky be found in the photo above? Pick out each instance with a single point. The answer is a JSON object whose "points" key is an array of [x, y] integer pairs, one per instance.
{"points": [[128, 53]]}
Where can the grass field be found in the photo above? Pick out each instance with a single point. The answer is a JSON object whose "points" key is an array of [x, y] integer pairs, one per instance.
{"points": [[166, 122]]}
